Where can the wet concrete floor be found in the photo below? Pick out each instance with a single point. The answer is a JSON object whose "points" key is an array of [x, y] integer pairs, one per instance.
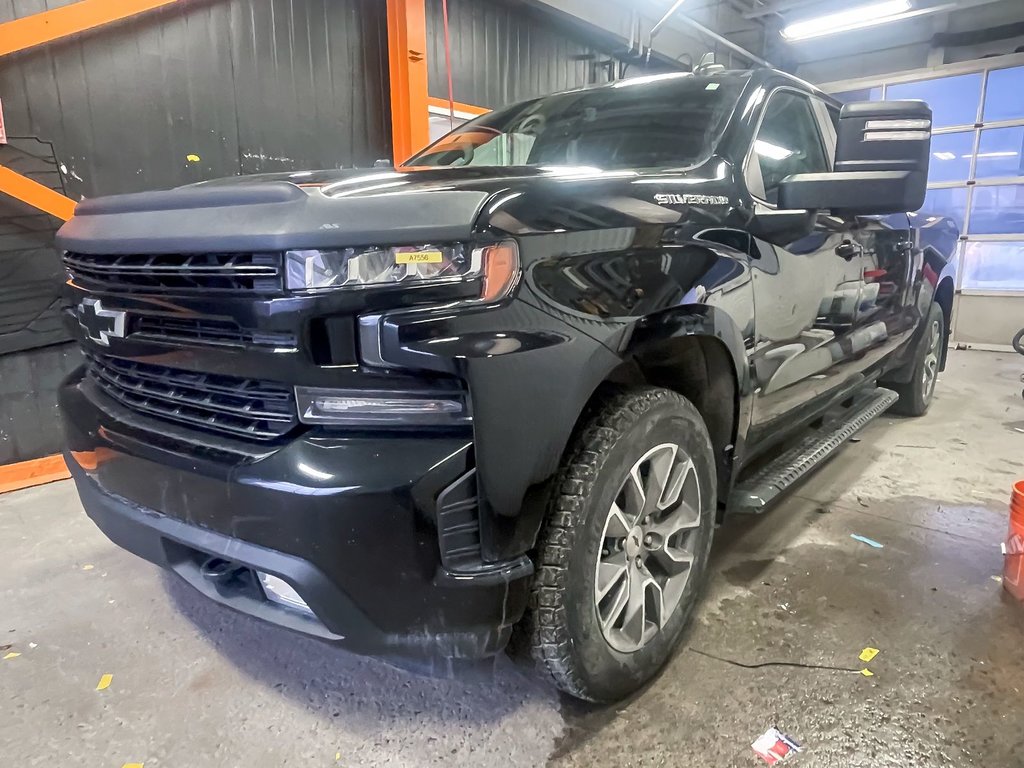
{"points": [[195, 685]]}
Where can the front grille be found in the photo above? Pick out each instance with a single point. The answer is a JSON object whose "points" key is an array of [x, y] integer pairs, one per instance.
{"points": [[178, 272], [225, 405], [205, 331]]}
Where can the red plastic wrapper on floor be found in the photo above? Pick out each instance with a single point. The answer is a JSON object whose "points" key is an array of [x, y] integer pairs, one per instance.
{"points": [[775, 746]]}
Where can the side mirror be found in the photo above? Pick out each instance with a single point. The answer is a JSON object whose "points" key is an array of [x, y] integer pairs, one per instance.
{"points": [[781, 227], [881, 167]]}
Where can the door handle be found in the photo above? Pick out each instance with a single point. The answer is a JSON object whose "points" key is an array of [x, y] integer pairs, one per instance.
{"points": [[847, 250]]}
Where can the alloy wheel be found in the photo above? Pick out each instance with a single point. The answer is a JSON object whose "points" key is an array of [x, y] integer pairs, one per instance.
{"points": [[647, 547]]}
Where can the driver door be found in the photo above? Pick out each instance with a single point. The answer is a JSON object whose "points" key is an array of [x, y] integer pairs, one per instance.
{"points": [[806, 295]]}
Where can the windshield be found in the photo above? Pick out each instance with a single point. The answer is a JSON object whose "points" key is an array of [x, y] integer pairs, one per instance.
{"points": [[662, 121]]}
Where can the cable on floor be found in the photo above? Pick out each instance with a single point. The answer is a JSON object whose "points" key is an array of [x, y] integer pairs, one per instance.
{"points": [[759, 665]]}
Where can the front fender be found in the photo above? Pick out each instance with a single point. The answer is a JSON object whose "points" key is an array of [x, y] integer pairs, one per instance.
{"points": [[650, 287], [585, 303]]}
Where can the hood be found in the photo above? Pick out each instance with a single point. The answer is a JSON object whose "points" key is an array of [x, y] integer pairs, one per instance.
{"points": [[336, 208], [368, 178]]}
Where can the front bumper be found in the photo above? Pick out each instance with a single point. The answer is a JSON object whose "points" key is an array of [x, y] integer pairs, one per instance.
{"points": [[350, 522]]}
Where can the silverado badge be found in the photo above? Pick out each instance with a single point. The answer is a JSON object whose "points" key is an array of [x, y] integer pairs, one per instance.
{"points": [[675, 199]]}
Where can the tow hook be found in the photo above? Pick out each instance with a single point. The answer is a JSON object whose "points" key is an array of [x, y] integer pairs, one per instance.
{"points": [[219, 570]]}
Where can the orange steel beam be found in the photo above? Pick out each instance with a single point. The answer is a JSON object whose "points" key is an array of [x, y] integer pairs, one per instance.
{"points": [[14, 477], [469, 109], [46, 26], [35, 194], [407, 63]]}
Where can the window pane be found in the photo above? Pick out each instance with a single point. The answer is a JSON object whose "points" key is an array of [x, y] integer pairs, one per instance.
{"points": [[994, 266], [1000, 153], [951, 156], [954, 100], [788, 142], [1004, 95], [946, 202], [861, 94], [442, 124], [998, 210]]}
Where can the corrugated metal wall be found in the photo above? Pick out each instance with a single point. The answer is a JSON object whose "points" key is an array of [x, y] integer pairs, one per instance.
{"points": [[29, 421], [243, 85], [504, 51], [30, 271]]}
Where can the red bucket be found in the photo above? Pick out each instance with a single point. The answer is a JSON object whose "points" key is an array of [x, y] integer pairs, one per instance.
{"points": [[1013, 560]]}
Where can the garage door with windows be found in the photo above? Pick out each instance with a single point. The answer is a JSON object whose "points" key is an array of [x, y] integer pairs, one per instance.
{"points": [[976, 179]]}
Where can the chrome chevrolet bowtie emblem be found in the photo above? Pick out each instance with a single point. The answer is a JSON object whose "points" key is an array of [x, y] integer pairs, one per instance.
{"points": [[101, 324]]}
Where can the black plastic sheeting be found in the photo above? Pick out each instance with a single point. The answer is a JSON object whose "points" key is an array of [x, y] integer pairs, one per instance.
{"points": [[29, 419], [505, 51], [30, 270], [243, 85]]}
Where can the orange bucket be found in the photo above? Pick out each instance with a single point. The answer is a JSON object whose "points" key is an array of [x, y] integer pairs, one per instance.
{"points": [[1013, 560]]}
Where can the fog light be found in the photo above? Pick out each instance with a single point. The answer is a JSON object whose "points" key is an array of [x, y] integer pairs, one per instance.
{"points": [[338, 406], [281, 592]]}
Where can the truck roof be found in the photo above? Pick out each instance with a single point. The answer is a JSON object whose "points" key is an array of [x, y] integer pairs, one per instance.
{"points": [[756, 75]]}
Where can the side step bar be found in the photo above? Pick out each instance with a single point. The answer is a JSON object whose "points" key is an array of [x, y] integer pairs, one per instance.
{"points": [[753, 494]]}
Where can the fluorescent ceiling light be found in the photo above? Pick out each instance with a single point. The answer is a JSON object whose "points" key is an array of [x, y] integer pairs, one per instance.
{"points": [[944, 155], [855, 18], [994, 154], [771, 151]]}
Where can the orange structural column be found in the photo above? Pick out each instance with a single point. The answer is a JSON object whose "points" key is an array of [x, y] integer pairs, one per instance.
{"points": [[407, 61], [70, 19]]}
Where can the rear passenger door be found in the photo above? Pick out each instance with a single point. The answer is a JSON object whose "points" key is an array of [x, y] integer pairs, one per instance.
{"points": [[807, 294]]}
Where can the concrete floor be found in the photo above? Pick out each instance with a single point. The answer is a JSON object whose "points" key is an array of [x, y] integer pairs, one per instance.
{"points": [[195, 685]]}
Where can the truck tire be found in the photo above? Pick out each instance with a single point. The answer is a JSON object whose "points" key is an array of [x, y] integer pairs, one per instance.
{"points": [[624, 549], [916, 395]]}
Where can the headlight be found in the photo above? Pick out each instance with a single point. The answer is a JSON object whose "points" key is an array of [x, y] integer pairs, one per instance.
{"points": [[315, 270]]}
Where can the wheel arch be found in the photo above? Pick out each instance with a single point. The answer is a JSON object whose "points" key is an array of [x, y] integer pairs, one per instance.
{"points": [[696, 351]]}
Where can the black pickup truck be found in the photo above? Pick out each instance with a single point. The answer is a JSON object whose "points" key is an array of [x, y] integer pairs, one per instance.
{"points": [[509, 387]]}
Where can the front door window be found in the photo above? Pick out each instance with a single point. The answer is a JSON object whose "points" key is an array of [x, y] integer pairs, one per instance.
{"points": [[787, 142]]}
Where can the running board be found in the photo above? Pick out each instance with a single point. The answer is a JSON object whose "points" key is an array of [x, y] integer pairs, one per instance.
{"points": [[753, 494]]}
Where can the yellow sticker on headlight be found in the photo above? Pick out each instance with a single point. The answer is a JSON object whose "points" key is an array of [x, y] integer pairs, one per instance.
{"points": [[419, 257]]}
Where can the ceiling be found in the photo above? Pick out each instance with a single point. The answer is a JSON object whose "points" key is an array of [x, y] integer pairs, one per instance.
{"points": [[948, 31]]}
